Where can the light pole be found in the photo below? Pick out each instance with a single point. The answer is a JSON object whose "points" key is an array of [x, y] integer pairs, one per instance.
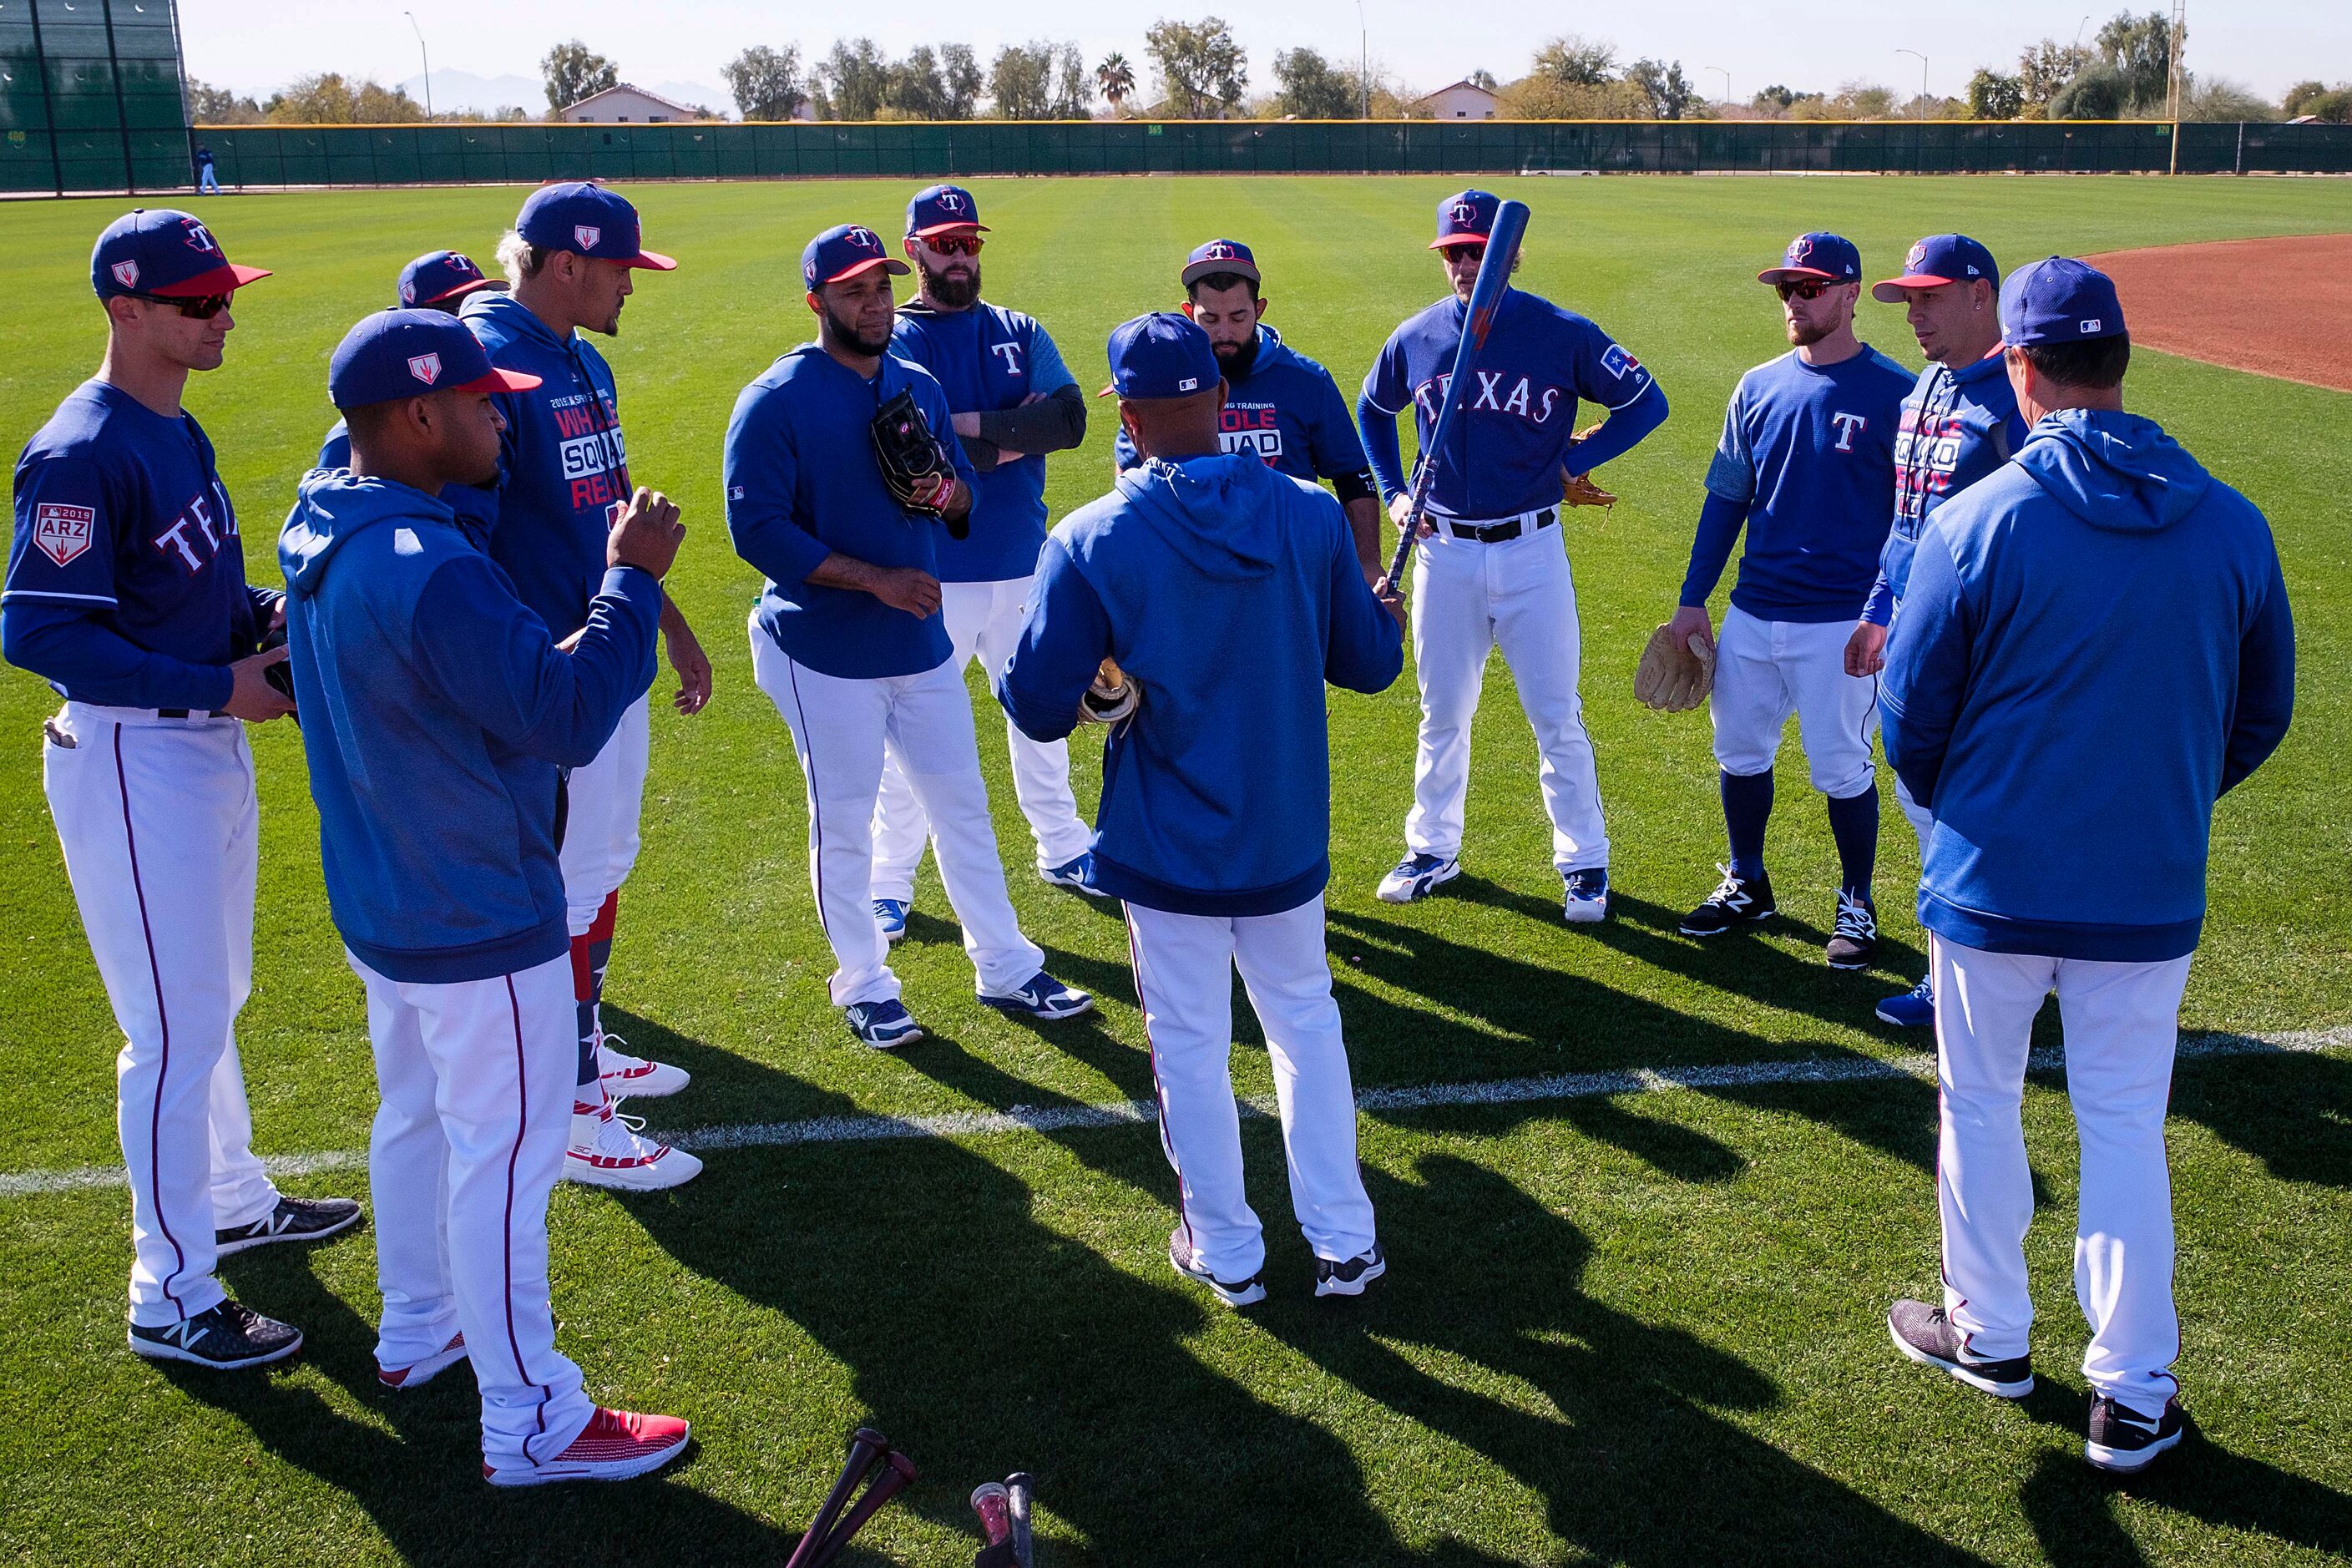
{"points": [[1726, 82], [426, 59], [1923, 78], [1363, 64]]}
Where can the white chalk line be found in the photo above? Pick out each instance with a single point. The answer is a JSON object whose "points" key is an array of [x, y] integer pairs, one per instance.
{"points": [[1920, 1066]]}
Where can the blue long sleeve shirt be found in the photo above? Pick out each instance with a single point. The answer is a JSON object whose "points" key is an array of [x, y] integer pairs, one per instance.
{"points": [[2094, 644], [437, 712]]}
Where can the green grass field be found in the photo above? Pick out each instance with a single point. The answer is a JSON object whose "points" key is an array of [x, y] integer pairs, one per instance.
{"points": [[1639, 1328]]}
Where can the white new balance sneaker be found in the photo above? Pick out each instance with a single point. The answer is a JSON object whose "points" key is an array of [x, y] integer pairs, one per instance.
{"points": [[609, 1151], [634, 1078]]}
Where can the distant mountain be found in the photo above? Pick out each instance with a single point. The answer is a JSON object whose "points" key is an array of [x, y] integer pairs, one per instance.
{"points": [[482, 94]]}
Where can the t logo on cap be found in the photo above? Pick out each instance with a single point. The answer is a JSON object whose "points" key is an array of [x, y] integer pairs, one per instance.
{"points": [[951, 201]]}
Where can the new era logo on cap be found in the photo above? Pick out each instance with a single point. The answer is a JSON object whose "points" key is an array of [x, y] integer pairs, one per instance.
{"points": [[425, 368]]}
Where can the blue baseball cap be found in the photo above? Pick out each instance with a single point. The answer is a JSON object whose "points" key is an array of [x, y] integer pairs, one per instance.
{"points": [[942, 209], [1466, 215], [588, 220], [1938, 260], [1162, 355], [1219, 256], [410, 354], [2059, 301], [440, 275], [164, 254], [845, 250], [1828, 257]]}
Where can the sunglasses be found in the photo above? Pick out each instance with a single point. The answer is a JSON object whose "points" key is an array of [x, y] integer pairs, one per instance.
{"points": [[1456, 252], [1807, 288], [202, 307], [955, 244]]}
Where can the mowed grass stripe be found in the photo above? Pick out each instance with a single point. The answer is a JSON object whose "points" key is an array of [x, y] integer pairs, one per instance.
{"points": [[1918, 1065]]}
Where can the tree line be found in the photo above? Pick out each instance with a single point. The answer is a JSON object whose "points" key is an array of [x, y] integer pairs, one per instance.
{"points": [[1200, 70]]}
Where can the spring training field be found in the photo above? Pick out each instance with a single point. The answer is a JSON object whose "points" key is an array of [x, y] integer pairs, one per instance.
{"points": [[1635, 1313]]}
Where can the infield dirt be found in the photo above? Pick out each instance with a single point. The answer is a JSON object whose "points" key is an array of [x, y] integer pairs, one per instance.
{"points": [[2278, 307]]}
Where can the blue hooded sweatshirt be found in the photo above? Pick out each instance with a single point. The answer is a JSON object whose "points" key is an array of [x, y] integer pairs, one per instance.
{"points": [[1230, 594], [435, 713], [2095, 644]]}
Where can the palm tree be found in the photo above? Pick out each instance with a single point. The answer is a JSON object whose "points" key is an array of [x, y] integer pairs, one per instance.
{"points": [[1115, 78]]}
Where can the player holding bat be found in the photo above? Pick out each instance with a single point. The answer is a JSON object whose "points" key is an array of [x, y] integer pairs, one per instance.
{"points": [[841, 465], [1491, 569]]}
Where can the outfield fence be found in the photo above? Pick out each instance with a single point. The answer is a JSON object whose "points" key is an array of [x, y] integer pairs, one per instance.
{"points": [[526, 154]]}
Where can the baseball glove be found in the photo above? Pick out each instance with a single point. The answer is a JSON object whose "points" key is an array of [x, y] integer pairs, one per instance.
{"points": [[911, 458], [1675, 677], [1577, 489], [1111, 698]]}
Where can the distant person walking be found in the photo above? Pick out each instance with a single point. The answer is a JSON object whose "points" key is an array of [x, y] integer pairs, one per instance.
{"points": [[207, 182]]}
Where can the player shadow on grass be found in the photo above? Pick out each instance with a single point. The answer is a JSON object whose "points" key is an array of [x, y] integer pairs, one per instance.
{"points": [[1558, 1021], [2292, 1110], [982, 1339], [1624, 1429], [420, 1483], [2072, 1507]]}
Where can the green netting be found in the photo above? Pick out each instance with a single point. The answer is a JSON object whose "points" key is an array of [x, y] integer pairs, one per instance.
{"points": [[90, 97], [300, 155]]}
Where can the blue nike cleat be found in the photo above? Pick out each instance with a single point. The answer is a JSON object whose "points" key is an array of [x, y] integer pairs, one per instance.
{"points": [[1078, 874], [1416, 876], [1915, 1009], [1586, 898], [1043, 998], [891, 914], [883, 1024]]}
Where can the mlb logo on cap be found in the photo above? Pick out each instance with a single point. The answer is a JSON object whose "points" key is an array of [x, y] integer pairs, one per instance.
{"points": [[942, 209], [1162, 355], [164, 254], [1823, 257], [2059, 301], [589, 220], [1220, 255], [395, 355], [845, 250], [1938, 260], [1464, 217]]}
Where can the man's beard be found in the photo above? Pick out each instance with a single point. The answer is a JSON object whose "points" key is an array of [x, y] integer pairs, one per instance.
{"points": [[847, 335], [1804, 335], [953, 293], [1236, 359]]}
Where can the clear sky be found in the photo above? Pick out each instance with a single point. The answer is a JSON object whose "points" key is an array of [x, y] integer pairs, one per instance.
{"points": [[2266, 44]]}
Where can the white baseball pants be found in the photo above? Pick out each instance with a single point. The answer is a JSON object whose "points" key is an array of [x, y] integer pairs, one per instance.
{"points": [[1183, 975], [2121, 1023], [602, 803], [983, 619], [158, 823], [839, 730], [1766, 670], [475, 1082], [1518, 595]]}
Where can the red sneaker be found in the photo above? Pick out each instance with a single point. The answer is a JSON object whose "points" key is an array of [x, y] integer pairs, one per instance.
{"points": [[415, 1375], [615, 1445]]}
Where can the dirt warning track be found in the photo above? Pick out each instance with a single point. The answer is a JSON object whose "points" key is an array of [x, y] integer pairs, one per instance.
{"points": [[2274, 307]]}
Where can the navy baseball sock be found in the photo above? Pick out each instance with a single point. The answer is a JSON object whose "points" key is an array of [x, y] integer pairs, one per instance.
{"points": [[1854, 823], [590, 955], [1746, 807]]}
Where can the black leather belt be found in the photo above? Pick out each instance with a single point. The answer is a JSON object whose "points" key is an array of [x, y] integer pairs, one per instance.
{"points": [[1496, 532]]}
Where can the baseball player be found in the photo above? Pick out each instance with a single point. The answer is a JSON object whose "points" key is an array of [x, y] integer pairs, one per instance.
{"points": [[2100, 597], [1490, 569], [437, 281], [438, 711], [1215, 820], [849, 641], [1805, 462], [1960, 423], [571, 257], [1280, 403], [126, 592], [207, 177], [1013, 401]]}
